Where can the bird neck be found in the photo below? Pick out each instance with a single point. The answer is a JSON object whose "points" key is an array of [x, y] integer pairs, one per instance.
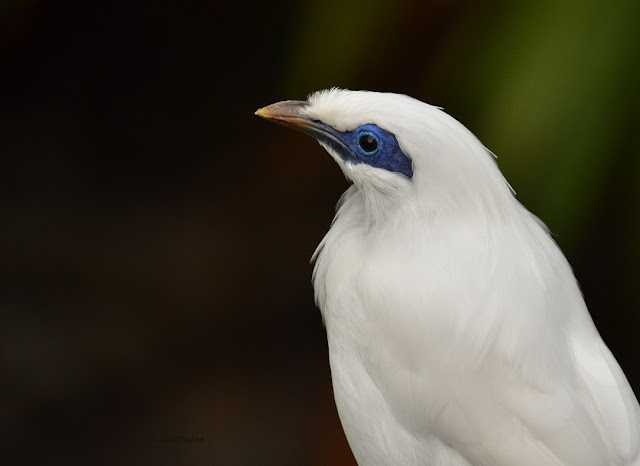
{"points": [[383, 205], [403, 208]]}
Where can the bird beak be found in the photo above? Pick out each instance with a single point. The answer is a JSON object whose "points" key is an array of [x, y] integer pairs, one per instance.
{"points": [[289, 113], [292, 113]]}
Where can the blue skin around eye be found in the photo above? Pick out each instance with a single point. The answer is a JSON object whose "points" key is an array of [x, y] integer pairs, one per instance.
{"points": [[387, 156]]}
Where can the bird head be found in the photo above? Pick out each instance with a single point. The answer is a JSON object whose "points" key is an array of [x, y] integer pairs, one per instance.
{"points": [[396, 149]]}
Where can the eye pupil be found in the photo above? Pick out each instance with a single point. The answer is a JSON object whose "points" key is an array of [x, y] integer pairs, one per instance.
{"points": [[368, 143]]}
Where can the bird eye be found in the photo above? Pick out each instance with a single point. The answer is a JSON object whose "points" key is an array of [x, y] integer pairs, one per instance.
{"points": [[368, 143]]}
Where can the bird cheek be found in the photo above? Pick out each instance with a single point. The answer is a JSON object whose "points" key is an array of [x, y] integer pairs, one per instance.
{"points": [[355, 160], [368, 160]]}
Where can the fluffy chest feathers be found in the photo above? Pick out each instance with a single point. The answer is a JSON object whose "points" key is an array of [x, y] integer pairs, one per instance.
{"points": [[457, 332], [443, 280]]}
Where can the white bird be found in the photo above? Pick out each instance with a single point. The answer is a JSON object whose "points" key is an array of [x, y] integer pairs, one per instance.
{"points": [[456, 329]]}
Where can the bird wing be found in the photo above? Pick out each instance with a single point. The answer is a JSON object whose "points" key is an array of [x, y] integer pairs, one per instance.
{"points": [[508, 383], [610, 393], [495, 416]]}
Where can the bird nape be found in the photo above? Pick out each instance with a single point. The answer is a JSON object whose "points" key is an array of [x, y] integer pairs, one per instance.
{"points": [[456, 329]]}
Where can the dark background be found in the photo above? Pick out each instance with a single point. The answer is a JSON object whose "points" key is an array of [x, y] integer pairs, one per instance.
{"points": [[156, 235]]}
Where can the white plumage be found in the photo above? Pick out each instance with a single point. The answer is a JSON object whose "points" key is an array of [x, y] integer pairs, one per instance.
{"points": [[457, 332]]}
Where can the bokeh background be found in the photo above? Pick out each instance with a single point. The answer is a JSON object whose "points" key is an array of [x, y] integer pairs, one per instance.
{"points": [[156, 304]]}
